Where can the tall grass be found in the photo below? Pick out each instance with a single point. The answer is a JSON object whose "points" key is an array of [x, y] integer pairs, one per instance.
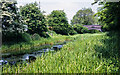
{"points": [[24, 47], [85, 55]]}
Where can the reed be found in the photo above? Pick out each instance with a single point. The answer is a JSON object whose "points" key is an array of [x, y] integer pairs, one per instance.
{"points": [[89, 53]]}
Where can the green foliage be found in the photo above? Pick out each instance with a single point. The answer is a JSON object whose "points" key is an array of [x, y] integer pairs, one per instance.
{"points": [[10, 37], [52, 33], [72, 32], [84, 17], [27, 47], [88, 54], [26, 37], [44, 34], [80, 29], [94, 31], [35, 37], [109, 15], [57, 17], [84, 30], [16, 38], [58, 21], [104, 28], [34, 18], [12, 21]]}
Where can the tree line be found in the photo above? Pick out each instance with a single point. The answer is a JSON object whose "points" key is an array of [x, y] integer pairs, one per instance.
{"points": [[15, 21], [109, 15]]}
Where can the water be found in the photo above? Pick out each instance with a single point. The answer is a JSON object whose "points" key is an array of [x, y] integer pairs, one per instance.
{"points": [[57, 47], [29, 57]]}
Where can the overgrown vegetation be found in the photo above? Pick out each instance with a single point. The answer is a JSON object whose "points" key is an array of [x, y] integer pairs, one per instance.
{"points": [[12, 21], [29, 21], [29, 30], [33, 43], [59, 23], [108, 18], [34, 19], [81, 29], [89, 53]]}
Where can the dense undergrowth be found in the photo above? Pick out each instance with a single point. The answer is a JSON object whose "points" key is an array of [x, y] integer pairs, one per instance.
{"points": [[89, 53], [27, 47]]}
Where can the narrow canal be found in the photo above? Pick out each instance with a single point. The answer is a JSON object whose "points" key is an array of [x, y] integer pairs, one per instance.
{"points": [[31, 56]]}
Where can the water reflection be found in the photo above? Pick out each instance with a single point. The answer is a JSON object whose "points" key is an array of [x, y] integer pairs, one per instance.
{"points": [[29, 57]]}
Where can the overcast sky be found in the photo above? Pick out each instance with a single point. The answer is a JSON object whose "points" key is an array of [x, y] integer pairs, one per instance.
{"points": [[70, 7]]}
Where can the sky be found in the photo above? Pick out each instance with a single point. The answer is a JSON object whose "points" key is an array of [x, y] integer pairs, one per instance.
{"points": [[70, 7]]}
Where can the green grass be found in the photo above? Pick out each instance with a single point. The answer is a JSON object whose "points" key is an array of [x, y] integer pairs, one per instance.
{"points": [[89, 53], [22, 48]]}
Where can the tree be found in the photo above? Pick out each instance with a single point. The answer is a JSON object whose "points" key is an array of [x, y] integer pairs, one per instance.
{"points": [[12, 22], [11, 19], [34, 18], [71, 30], [80, 29], [109, 15], [58, 21], [84, 17]]}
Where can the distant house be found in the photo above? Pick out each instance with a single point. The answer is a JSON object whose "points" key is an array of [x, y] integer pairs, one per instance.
{"points": [[93, 27]]}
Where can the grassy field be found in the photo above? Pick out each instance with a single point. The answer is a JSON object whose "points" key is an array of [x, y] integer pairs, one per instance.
{"points": [[89, 53]]}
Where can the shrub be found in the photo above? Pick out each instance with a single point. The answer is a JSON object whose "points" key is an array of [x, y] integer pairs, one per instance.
{"points": [[61, 30], [16, 37], [26, 37], [44, 34], [93, 31], [105, 28], [35, 37], [84, 30], [78, 28], [50, 32], [72, 32], [9, 37]]}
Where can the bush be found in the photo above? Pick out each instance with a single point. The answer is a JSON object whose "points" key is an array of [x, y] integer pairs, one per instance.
{"points": [[35, 37], [44, 34], [81, 29], [16, 37], [72, 32], [93, 31], [26, 37], [84, 30], [104, 28], [78, 28], [50, 32], [9, 37], [61, 30]]}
